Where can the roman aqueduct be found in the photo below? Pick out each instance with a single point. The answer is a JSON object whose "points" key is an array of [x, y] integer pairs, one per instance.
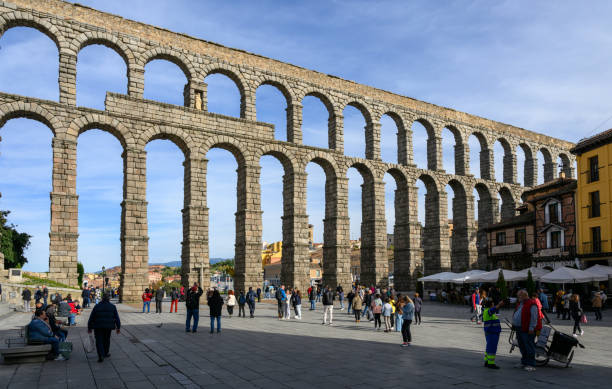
{"points": [[136, 121]]}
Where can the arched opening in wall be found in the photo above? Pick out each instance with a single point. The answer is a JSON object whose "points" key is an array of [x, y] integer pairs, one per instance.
{"points": [[507, 205], [164, 82], [355, 123], [99, 70], [29, 64], [504, 168], [271, 184], [452, 149], [434, 238], [100, 190], [479, 156], [221, 184], [523, 159], [458, 232], [564, 165], [422, 132], [390, 214], [26, 163], [316, 117], [355, 213], [390, 129], [316, 209], [546, 167], [165, 198], [223, 95], [271, 106], [485, 215], [399, 213]]}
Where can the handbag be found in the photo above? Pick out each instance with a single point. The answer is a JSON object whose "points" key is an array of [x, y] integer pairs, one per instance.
{"points": [[583, 319], [90, 344]]}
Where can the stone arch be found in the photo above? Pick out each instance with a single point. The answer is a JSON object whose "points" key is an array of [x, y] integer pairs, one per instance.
{"points": [[566, 165], [176, 135], [236, 78], [108, 40], [287, 92], [486, 161], [401, 141], [327, 102], [33, 111], [325, 161], [459, 149], [509, 161], [23, 19], [530, 170], [549, 164], [363, 108], [508, 204], [238, 150], [111, 125], [461, 236], [169, 55], [283, 155], [433, 149]]}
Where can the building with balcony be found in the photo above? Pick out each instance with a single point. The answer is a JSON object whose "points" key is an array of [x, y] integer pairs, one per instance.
{"points": [[594, 198], [543, 234]]}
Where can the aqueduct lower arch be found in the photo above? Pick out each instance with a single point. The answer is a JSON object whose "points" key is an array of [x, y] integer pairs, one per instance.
{"points": [[136, 121]]}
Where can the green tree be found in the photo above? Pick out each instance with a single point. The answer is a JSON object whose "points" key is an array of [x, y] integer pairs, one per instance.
{"points": [[12, 243], [226, 266], [502, 286], [80, 271], [531, 286]]}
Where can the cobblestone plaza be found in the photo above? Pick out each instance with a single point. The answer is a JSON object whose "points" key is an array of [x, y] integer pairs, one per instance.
{"points": [[447, 351]]}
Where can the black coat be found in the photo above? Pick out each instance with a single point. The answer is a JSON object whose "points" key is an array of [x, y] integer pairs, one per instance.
{"points": [[328, 297], [26, 295], [104, 315], [215, 303], [192, 301]]}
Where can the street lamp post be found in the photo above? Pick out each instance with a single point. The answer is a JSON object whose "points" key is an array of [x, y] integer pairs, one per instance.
{"points": [[103, 278]]}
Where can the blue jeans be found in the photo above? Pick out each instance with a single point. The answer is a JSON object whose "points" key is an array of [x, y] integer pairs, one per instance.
{"points": [[526, 343], [318, 297], [349, 306], [312, 305], [212, 323], [146, 304], [365, 311], [398, 322], [71, 318], [341, 304], [54, 342], [195, 313]]}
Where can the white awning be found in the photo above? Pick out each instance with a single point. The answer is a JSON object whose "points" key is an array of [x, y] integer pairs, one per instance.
{"points": [[466, 276], [536, 272], [600, 270], [568, 275], [492, 276], [438, 277]]}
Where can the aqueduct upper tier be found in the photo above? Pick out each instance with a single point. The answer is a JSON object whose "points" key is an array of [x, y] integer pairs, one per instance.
{"points": [[136, 121]]}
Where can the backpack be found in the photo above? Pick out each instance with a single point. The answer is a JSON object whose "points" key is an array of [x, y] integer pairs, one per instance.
{"points": [[278, 295], [241, 300]]}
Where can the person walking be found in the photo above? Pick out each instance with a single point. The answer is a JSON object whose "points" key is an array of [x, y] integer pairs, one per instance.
{"points": [[376, 307], [45, 295], [258, 295], [558, 303], [576, 313], [387, 311], [250, 300], [174, 296], [215, 303], [26, 296], [296, 302], [566, 305], [367, 302], [340, 293], [85, 296], [407, 308], [349, 297], [278, 295], [492, 329], [476, 307], [231, 303], [319, 292], [418, 303], [159, 298], [543, 300], [357, 303], [328, 305], [312, 296], [526, 322], [103, 319], [596, 304], [241, 303], [37, 295], [146, 300], [192, 303]]}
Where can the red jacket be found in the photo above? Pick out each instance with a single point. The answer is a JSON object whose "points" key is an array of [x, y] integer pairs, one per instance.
{"points": [[526, 315], [147, 297]]}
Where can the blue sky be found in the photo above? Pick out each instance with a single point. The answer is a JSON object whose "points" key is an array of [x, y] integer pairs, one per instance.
{"points": [[543, 66]]}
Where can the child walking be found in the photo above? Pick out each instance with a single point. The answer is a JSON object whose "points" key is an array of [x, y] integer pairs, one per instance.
{"points": [[492, 329]]}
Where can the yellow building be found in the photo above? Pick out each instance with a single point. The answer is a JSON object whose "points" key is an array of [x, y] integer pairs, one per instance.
{"points": [[594, 198], [272, 253]]}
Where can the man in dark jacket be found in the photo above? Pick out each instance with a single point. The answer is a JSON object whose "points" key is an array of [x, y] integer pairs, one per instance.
{"points": [[312, 296], [45, 294], [328, 305], [250, 299], [26, 295], [103, 320], [159, 297], [192, 303], [85, 294]]}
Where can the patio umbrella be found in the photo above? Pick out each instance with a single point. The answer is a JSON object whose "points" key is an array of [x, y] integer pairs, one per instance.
{"points": [[600, 270], [536, 272], [438, 277], [568, 275], [492, 276], [466, 276]]}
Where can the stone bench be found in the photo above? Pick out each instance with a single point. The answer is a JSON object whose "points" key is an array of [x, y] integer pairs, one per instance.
{"points": [[24, 349]]}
